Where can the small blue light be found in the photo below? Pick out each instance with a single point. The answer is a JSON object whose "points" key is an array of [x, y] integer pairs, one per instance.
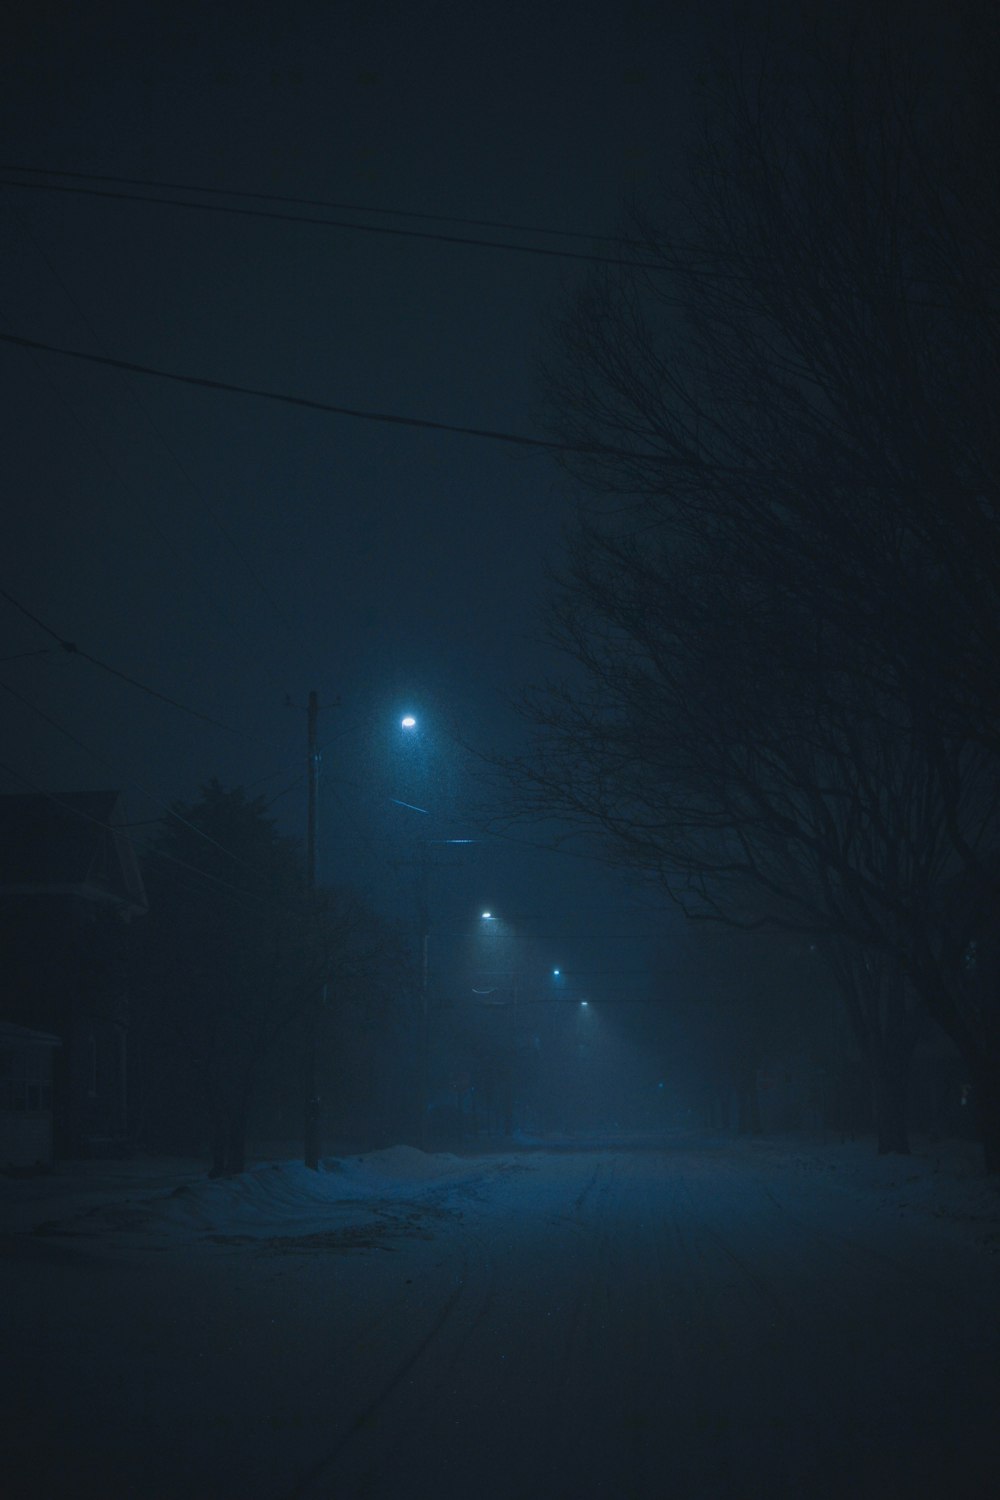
{"points": [[556, 972]]}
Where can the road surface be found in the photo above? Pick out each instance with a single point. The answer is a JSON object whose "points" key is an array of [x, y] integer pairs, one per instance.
{"points": [[692, 1321]]}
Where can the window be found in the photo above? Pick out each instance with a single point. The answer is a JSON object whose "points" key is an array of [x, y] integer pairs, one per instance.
{"points": [[25, 1078]]}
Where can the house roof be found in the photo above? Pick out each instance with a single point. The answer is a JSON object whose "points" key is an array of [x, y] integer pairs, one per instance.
{"points": [[71, 843], [23, 1036]]}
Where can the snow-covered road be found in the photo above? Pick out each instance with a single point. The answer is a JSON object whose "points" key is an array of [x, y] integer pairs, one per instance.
{"points": [[702, 1320]]}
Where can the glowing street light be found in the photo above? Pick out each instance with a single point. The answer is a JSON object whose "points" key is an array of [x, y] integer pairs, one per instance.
{"points": [[409, 722], [488, 916]]}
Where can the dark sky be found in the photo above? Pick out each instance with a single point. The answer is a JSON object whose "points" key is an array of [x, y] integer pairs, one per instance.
{"points": [[228, 551]]}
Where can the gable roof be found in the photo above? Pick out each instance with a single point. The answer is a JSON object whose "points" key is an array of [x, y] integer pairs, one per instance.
{"points": [[24, 1036], [73, 843]]}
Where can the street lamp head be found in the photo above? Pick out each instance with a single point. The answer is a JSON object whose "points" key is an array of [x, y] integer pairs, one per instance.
{"points": [[557, 972], [409, 722], [487, 916], [583, 1003]]}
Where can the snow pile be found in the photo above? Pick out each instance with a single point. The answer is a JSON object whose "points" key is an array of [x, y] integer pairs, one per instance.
{"points": [[941, 1185], [281, 1198]]}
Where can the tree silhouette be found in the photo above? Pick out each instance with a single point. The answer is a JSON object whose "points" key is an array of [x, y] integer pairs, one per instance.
{"points": [[780, 600]]}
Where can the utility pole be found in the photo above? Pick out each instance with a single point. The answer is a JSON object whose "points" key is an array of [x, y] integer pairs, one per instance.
{"points": [[425, 1038], [312, 1132], [312, 769]]}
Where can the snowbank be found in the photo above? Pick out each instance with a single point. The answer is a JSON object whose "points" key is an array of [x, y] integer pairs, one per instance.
{"points": [[274, 1197], [941, 1184]]}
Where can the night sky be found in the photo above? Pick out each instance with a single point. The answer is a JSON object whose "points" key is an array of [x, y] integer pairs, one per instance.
{"points": [[232, 553]]}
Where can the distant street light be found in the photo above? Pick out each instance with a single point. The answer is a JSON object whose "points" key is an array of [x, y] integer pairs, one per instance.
{"points": [[409, 722], [488, 916]]}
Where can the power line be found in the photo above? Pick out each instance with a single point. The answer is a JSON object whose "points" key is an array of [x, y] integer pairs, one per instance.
{"points": [[172, 859], [56, 725], [333, 205], [674, 263], [182, 470], [112, 467], [518, 440], [77, 812], [72, 649], [155, 797], [313, 222], [242, 894], [395, 419]]}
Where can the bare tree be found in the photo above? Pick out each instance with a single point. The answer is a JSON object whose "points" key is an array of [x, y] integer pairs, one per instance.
{"points": [[781, 601]]}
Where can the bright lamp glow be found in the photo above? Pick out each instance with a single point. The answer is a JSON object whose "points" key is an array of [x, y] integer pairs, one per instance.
{"points": [[409, 722], [487, 916], [557, 972]]}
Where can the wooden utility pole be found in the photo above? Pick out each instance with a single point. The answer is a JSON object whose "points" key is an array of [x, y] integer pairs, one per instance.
{"points": [[425, 1034], [312, 1132], [313, 775]]}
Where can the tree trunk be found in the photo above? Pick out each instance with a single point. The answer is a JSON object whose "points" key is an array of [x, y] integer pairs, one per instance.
{"points": [[748, 1104], [228, 1139], [986, 1106], [979, 1053], [890, 1086], [236, 1154], [217, 1135]]}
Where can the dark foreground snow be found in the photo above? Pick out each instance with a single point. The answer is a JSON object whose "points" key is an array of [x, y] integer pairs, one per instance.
{"points": [[703, 1319]]}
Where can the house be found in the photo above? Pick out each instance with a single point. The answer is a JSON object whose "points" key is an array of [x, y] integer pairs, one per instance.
{"points": [[69, 887], [25, 1096]]}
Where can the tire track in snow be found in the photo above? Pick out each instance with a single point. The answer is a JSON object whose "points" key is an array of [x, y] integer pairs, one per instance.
{"points": [[904, 1298], [739, 1335], [458, 1320], [364, 1418], [858, 1346]]}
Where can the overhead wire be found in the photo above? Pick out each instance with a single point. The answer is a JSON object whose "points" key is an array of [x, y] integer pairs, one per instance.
{"points": [[518, 440], [396, 419], [154, 796], [23, 655], [112, 467], [678, 260], [307, 202], [182, 469], [162, 536], [184, 472], [389, 230], [243, 895], [495, 435], [60, 801], [79, 812], [72, 649]]}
